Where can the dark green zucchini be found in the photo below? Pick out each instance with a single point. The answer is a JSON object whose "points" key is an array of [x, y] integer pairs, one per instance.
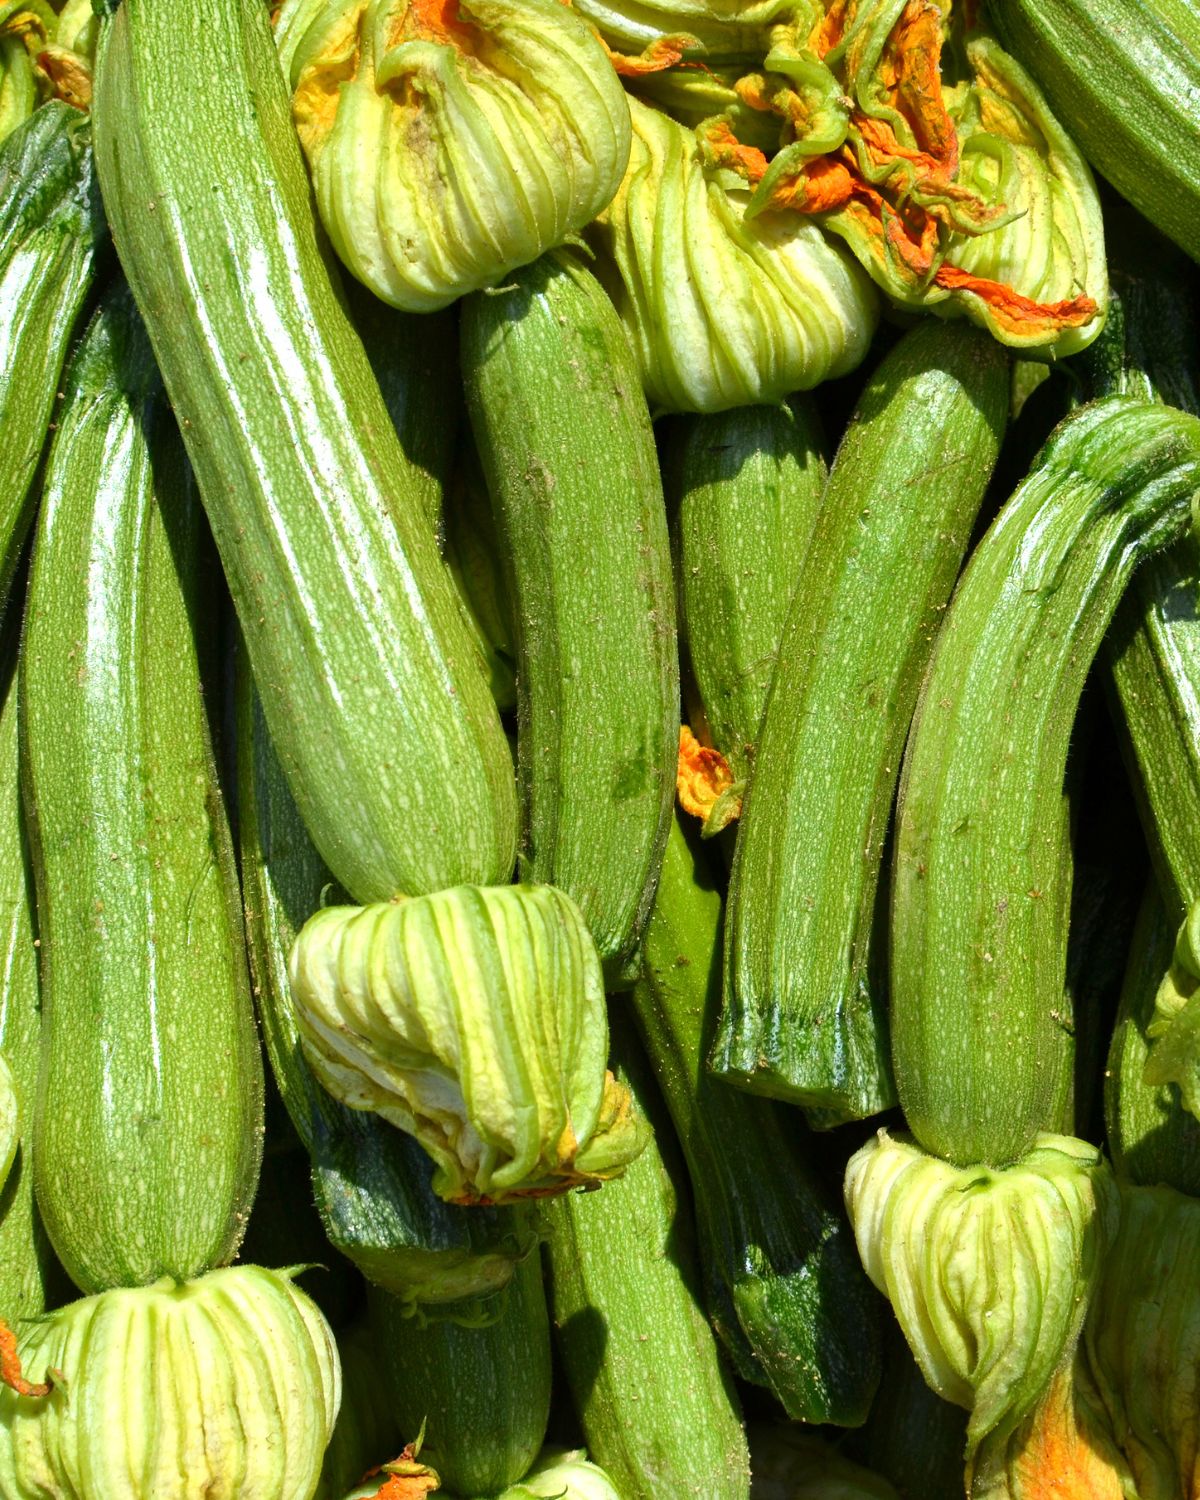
{"points": [[148, 1129], [367, 1432], [624, 1303], [373, 691], [473, 554], [482, 1394], [977, 959], [804, 1015], [912, 1436], [372, 1182], [51, 234], [743, 489], [782, 1277], [568, 453]]}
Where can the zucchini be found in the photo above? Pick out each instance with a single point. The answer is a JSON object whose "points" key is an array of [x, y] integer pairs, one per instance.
{"points": [[372, 1182], [473, 554], [623, 1279], [1123, 76], [772, 1243], [482, 1394], [912, 1436], [372, 690], [568, 453], [804, 1007], [366, 1432], [148, 1128], [28, 1272], [977, 960], [51, 236], [743, 489]]}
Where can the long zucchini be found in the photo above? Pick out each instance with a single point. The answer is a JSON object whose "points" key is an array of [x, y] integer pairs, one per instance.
{"points": [[51, 234], [373, 692], [148, 1128], [567, 449], [623, 1298], [804, 1016], [781, 1275], [977, 957]]}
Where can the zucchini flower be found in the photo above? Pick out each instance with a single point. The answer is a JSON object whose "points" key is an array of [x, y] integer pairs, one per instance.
{"points": [[722, 309], [1174, 1033], [788, 1463], [451, 140], [223, 1388], [474, 1019], [25, 26], [1143, 1340], [988, 1271], [560, 1474], [645, 32]]}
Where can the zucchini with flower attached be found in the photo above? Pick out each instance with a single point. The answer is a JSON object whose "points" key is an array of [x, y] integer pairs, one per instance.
{"points": [[373, 692], [568, 452], [148, 1127], [804, 1016]]}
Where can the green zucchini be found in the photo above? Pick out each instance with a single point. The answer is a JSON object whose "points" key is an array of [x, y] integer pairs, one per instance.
{"points": [[804, 1008], [366, 1432], [977, 959], [373, 692], [912, 1436], [1123, 76], [27, 1265], [1152, 1138], [472, 552], [567, 449], [481, 1394], [51, 235], [372, 1182], [743, 489], [781, 1274], [148, 1128], [623, 1299]]}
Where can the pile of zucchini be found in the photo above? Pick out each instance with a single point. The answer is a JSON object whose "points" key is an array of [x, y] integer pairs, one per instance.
{"points": [[599, 750]]}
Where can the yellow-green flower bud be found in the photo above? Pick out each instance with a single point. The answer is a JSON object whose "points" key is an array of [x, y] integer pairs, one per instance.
{"points": [[562, 1475], [1174, 1033], [715, 28], [722, 310], [451, 140], [788, 1463], [988, 1271], [25, 26], [10, 1121], [223, 1388], [474, 1019]]}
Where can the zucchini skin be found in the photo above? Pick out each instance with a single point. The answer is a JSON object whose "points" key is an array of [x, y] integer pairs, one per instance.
{"points": [[52, 235], [371, 686], [976, 953], [568, 453], [372, 1182], [743, 489], [149, 1119], [483, 1393], [772, 1243], [622, 1278], [804, 1015], [1123, 76]]}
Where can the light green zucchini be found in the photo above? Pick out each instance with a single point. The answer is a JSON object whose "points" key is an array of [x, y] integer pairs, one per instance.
{"points": [[51, 234], [743, 489], [372, 1182], [804, 1015], [473, 554], [148, 1128], [373, 692], [781, 1274], [568, 453], [482, 1394], [976, 952], [623, 1298]]}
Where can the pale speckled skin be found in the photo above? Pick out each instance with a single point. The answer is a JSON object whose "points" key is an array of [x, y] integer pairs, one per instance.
{"points": [[148, 1127], [373, 691]]}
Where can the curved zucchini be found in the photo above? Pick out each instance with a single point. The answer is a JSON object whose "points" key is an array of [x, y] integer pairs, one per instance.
{"points": [[51, 232], [623, 1277], [977, 958], [481, 1394], [784, 1284], [148, 1128], [568, 453], [373, 692], [1123, 76], [372, 1182], [804, 1016], [743, 488]]}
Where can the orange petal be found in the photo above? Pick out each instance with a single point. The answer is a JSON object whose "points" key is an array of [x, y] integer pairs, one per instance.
{"points": [[823, 186], [665, 53], [1015, 313], [723, 149], [702, 775], [912, 66], [10, 1366]]}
